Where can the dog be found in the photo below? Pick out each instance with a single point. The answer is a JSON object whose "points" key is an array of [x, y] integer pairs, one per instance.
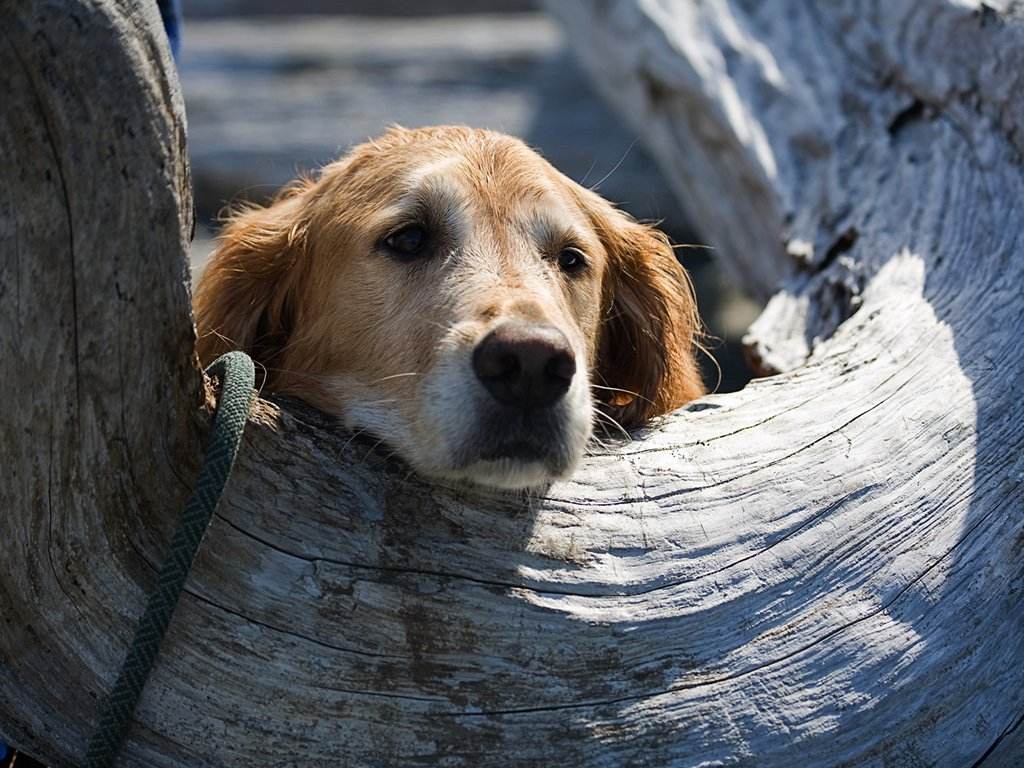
{"points": [[449, 292]]}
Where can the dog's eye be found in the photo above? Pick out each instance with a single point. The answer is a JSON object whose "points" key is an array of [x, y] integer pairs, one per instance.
{"points": [[407, 242], [571, 260]]}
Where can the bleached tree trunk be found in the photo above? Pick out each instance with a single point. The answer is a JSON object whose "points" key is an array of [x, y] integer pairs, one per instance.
{"points": [[823, 569]]}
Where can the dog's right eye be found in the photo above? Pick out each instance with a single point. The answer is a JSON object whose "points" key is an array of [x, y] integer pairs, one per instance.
{"points": [[408, 242]]}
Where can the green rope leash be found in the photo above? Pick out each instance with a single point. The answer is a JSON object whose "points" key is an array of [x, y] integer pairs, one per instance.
{"points": [[238, 375]]}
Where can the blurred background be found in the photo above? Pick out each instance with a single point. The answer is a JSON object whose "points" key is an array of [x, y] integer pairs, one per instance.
{"points": [[273, 89]]}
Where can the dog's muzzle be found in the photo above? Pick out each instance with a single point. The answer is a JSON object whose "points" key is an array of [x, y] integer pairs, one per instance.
{"points": [[527, 369]]}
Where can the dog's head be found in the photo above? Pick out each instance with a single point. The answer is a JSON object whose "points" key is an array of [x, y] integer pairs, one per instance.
{"points": [[448, 291]]}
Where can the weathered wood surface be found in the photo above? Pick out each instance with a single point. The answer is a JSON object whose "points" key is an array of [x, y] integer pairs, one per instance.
{"points": [[822, 569], [98, 427]]}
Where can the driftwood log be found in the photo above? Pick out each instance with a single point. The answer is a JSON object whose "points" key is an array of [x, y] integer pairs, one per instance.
{"points": [[823, 569]]}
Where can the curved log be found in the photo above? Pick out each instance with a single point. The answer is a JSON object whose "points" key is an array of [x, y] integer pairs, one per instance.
{"points": [[822, 569]]}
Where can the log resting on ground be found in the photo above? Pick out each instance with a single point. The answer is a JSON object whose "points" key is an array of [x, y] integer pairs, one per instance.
{"points": [[823, 569]]}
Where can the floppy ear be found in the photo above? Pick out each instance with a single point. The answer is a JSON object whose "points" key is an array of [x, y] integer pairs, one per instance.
{"points": [[649, 334], [243, 299]]}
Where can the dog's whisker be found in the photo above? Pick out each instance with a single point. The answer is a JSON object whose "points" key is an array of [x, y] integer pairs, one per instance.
{"points": [[615, 167], [390, 454], [714, 362], [693, 246], [583, 182], [371, 449], [610, 421], [260, 383], [624, 391], [298, 374], [435, 324], [355, 434], [397, 376]]}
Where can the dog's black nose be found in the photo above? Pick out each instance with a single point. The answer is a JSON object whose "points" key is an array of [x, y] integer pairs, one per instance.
{"points": [[524, 365]]}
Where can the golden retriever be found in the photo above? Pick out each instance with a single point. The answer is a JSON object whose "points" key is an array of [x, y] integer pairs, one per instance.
{"points": [[448, 291]]}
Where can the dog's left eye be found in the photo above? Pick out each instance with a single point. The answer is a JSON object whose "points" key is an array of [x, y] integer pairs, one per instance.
{"points": [[407, 242], [571, 260]]}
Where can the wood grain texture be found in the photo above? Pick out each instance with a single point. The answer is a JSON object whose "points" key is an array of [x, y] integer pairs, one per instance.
{"points": [[99, 428], [823, 569]]}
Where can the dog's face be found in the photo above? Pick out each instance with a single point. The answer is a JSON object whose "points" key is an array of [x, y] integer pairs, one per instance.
{"points": [[447, 291]]}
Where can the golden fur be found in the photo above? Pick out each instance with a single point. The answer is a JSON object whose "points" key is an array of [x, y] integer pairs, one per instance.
{"points": [[303, 286]]}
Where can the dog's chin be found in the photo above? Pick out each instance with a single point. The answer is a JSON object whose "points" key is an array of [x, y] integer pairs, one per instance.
{"points": [[507, 474], [515, 459], [506, 462]]}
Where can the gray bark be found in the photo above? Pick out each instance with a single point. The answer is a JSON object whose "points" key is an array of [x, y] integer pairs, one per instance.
{"points": [[822, 569]]}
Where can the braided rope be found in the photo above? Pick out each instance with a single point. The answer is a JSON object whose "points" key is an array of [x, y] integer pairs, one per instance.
{"points": [[237, 373]]}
